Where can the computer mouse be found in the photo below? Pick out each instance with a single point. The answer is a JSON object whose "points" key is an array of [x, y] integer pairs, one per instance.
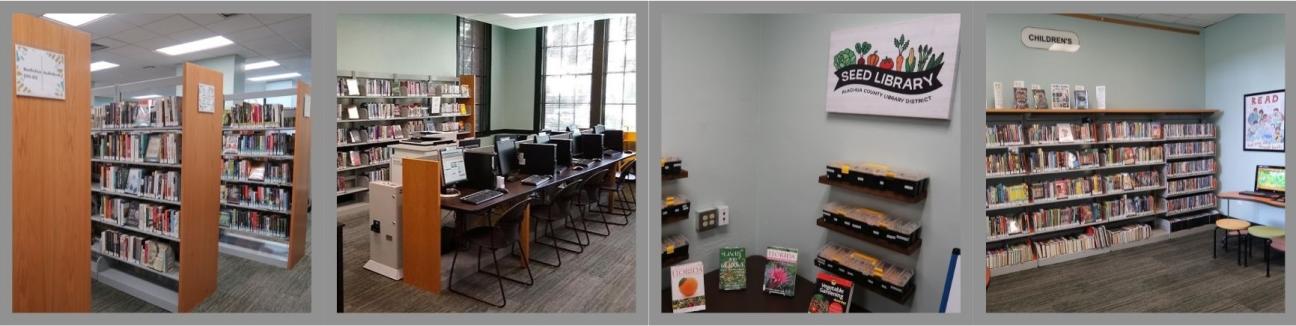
{"points": [[578, 167], [629, 152]]}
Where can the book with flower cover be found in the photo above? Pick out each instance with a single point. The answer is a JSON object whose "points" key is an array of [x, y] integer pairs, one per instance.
{"points": [[688, 292], [733, 268], [780, 271], [832, 294]]}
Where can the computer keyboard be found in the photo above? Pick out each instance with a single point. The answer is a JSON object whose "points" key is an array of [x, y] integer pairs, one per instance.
{"points": [[535, 180], [609, 152], [583, 162], [481, 196]]}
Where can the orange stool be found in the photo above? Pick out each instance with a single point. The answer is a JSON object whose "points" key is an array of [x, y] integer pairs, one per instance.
{"points": [[1229, 225]]}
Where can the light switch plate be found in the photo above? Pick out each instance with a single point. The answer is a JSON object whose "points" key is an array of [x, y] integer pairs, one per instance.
{"points": [[708, 219], [724, 214]]}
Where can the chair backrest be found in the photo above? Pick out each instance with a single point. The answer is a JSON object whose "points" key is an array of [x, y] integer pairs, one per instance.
{"points": [[512, 218], [596, 180], [572, 189], [629, 170]]}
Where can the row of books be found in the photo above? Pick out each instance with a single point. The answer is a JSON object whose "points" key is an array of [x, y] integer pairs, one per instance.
{"points": [[1060, 133], [1129, 205], [1049, 219], [446, 126], [256, 222], [380, 174], [1007, 134], [257, 196], [361, 157], [1041, 160], [345, 182], [1004, 134], [1196, 183], [373, 110], [1129, 130], [1067, 187], [158, 112], [1190, 202], [150, 253], [1093, 238], [259, 143], [257, 170], [141, 215], [1183, 130], [244, 115], [1193, 166], [365, 134], [347, 86], [139, 181], [1190, 148], [365, 87], [153, 147], [1008, 256], [1062, 96]]}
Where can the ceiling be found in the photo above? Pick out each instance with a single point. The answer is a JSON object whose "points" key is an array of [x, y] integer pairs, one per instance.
{"points": [[505, 21], [1190, 20], [131, 41]]}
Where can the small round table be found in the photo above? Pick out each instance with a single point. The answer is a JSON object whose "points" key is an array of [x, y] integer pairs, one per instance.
{"points": [[1264, 232], [1229, 225]]}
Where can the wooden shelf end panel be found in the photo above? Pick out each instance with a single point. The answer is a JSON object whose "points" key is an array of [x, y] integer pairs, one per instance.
{"points": [[421, 224], [200, 187], [300, 219]]}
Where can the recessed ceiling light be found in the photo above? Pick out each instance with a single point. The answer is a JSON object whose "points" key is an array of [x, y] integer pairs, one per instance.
{"points": [[522, 15], [75, 19], [274, 77], [259, 65], [101, 65], [144, 97], [195, 46]]}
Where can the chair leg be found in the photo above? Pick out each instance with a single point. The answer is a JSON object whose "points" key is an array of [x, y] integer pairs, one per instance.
{"points": [[450, 286], [556, 248], [1215, 243], [580, 247], [585, 208], [1267, 243], [500, 280]]}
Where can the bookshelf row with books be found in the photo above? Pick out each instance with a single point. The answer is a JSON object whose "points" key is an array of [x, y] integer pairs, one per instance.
{"points": [[1069, 185], [375, 110], [263, 180]]}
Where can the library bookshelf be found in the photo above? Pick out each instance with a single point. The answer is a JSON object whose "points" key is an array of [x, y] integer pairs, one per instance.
{"points": [[376, 110], [1165, 176], [272, 234], [50, 165], [181, 281]]}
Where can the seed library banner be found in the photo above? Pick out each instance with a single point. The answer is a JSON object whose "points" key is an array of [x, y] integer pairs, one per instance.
{"points": [[902, 69]]}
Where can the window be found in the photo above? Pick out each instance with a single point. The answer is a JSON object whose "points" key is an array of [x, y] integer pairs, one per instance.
{"points": [[567, 71], [619, 91], [473, 44]]}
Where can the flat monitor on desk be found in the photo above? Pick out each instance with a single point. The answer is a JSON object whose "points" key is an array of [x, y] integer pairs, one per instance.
{"points": [[564, 148], [453, 170], [1271, 180], [480, 164], [614, 140], [506, 153], [590, 146], [539, 159]]}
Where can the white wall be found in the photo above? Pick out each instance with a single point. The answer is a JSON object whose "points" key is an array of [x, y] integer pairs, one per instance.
{"points": [[743, 105], [416, 44]]}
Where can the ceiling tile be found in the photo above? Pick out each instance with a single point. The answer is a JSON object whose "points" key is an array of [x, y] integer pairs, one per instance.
{"points": [[135, 35], [158, 43], [204, 19], [109, 42], [292, 26], [141, 19], [171, 24], [105, 26], [253, 34], [271, 47], [275, 18], [192, 34], [234, 24]]}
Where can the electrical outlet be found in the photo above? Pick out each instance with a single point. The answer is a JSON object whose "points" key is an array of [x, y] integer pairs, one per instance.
{"points": [[724, 214], [708, 220]]}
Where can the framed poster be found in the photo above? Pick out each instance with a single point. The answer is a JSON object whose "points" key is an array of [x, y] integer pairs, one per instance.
{"points": [[904, 68], [39, 73], [206, 98], [1262, 121]]}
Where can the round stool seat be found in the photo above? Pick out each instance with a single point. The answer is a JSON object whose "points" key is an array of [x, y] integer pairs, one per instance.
{"points": [[1279, 244], [1232, 224], [1267, 232]]}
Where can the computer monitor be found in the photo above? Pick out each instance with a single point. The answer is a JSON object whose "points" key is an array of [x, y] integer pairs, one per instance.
{"points": [[541, 138], [564, 147], [590, 146], [614, 140], [453, 169], [481, 168], [539, 159], [1271, 179], [599, 129], [506, 153]]}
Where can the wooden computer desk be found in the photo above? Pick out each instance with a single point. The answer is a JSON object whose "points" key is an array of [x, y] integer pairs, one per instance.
{"points": [[422, 205], [1235, 195], [1255, 209]]}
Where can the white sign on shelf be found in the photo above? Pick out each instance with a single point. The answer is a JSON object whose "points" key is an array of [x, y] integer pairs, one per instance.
{"points": [[206, 98], [306, 107], [39, 73], [1050, 39], [894, 69]]}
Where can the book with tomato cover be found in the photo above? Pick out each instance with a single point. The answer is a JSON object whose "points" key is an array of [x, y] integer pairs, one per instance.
{"points": [[832, 294], [733, 268], [688, 292], [780, 271]]}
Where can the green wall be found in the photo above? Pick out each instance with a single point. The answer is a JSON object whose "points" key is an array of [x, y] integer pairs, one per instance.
{"points": [[513, 58], [422, 44], [1141, 67]]}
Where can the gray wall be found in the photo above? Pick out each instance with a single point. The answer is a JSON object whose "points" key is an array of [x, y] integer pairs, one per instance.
{"points": [[513, 57], [1142, 68], [422, 44], [736, 126], [1244, 54]]}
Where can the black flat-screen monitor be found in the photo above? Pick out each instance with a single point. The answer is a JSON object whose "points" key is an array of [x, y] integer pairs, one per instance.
{"points": [[506, 153], [589, 146], [614, 140], [564, 146], [538, 159], [481, 168]]}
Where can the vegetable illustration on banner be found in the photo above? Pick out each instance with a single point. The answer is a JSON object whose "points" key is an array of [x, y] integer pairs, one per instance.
{"points": [[896, 69]]}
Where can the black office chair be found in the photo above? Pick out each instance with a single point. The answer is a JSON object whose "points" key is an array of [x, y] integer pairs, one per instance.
{"points": [[590, 198], [622, 203], [558, 208], [503, 234]]}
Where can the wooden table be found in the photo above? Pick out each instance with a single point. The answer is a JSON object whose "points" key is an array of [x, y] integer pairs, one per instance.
{"points": [[1255, 209], [1235, 195], [754, 298]]}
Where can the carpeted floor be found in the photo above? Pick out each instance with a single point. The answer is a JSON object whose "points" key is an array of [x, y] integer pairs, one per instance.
{"points": [[1177, 275], [600, 280], [241, 286]]}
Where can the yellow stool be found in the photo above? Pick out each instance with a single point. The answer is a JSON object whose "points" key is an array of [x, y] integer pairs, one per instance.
{"points": [[1229, 225], [1264, 232]]}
